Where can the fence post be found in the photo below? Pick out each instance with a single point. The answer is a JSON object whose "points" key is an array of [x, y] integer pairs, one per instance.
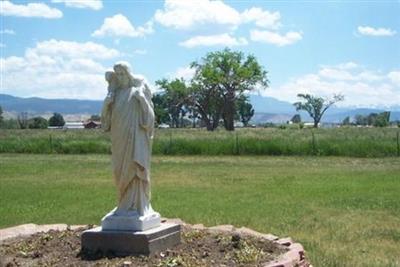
{"points": [[398, 144], [170, 143], [314, 147], [51, 143], [237, 143]]}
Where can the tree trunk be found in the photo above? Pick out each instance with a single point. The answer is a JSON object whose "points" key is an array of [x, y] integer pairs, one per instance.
{"points": [[229, 111], [206, 120]]}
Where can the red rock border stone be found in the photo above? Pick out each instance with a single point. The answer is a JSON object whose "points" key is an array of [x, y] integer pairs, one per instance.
{"points": [[294, 257]]}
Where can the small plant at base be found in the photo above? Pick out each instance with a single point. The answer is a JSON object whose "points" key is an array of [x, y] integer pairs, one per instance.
{"points": [[171, 262], [247, 253], [193, 235]]}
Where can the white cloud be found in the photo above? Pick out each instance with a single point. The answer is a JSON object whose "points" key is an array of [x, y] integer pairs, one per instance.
{"points": [[394, 76], [186, 73], [370, 31], [186, 14], [119, 26], [7, 31], [275, 38], [214, 40], [38, 10], [361, 87], [56, 48], [57, 69], [347, 65], [262, 18], [350, 72], [92, 4]]}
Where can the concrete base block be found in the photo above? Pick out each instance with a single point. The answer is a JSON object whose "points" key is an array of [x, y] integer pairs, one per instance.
{"points": [[130, 221], [124, 243]]}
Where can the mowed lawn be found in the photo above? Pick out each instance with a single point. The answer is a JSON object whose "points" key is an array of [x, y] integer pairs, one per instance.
{"points": [[345, 211]]}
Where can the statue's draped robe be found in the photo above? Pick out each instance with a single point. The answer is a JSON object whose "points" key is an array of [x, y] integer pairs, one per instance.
{"points": [[132, 127]]}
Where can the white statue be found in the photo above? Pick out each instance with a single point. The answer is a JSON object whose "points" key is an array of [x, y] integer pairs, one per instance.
{"points": [[128, 114]]}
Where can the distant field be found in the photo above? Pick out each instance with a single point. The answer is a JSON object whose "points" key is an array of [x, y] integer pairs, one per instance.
{"points": [[352, 142], [345, 211]]}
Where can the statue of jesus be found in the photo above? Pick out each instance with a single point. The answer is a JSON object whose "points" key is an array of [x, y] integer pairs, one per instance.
{"points": [[131, 123]]}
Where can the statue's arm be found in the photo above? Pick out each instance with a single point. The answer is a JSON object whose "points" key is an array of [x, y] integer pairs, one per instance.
{"points": [[146, 108]]}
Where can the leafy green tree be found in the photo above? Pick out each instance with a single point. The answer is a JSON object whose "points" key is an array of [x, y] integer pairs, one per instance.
{"points": [[316, 106], [374, 119], [56, 120], [346, 121], [361, 120], [205, 100], [38, 123], [160, 108], [226, 75], [244, 110], [382, 119], [371, 118], [296, 118], [176, 93]]}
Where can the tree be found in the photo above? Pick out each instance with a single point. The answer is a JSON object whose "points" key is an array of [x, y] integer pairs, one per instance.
{"points": [[361, 120], [346, 121], [160, 108], [23, 120], [316, 106], [205, 100], [382, 119], [38, 123], [374, 119], [175, 93], [56, 120], [226, 75], [245, 110], [296, 118]]}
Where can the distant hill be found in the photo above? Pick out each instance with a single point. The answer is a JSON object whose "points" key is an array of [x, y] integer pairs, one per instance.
{"points": [[35, 105], [267, 109]]}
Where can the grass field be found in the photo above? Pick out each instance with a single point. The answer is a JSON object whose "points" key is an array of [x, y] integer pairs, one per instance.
{"points": [[345, 211], [350, 142]]}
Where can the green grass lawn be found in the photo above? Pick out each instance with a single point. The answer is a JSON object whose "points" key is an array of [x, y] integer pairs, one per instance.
{"points": [[345, 211]]}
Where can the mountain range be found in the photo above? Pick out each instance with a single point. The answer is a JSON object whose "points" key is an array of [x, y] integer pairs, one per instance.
{"points": [[267, 109]]}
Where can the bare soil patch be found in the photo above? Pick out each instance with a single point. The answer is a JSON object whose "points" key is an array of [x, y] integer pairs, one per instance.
{"points": [[197, 248]]}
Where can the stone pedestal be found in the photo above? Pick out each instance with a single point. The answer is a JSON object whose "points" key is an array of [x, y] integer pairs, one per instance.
{"points": [[130, 221], [124, 243]]}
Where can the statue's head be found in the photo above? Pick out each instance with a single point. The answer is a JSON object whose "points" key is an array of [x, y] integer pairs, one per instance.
{"points": [[124, 76]]}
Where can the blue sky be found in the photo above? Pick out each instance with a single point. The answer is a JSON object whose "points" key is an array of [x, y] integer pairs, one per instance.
{"points": [[61, 48]]}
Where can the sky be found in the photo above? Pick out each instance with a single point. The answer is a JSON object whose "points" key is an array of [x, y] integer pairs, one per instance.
{"points": [[61, 48]]}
